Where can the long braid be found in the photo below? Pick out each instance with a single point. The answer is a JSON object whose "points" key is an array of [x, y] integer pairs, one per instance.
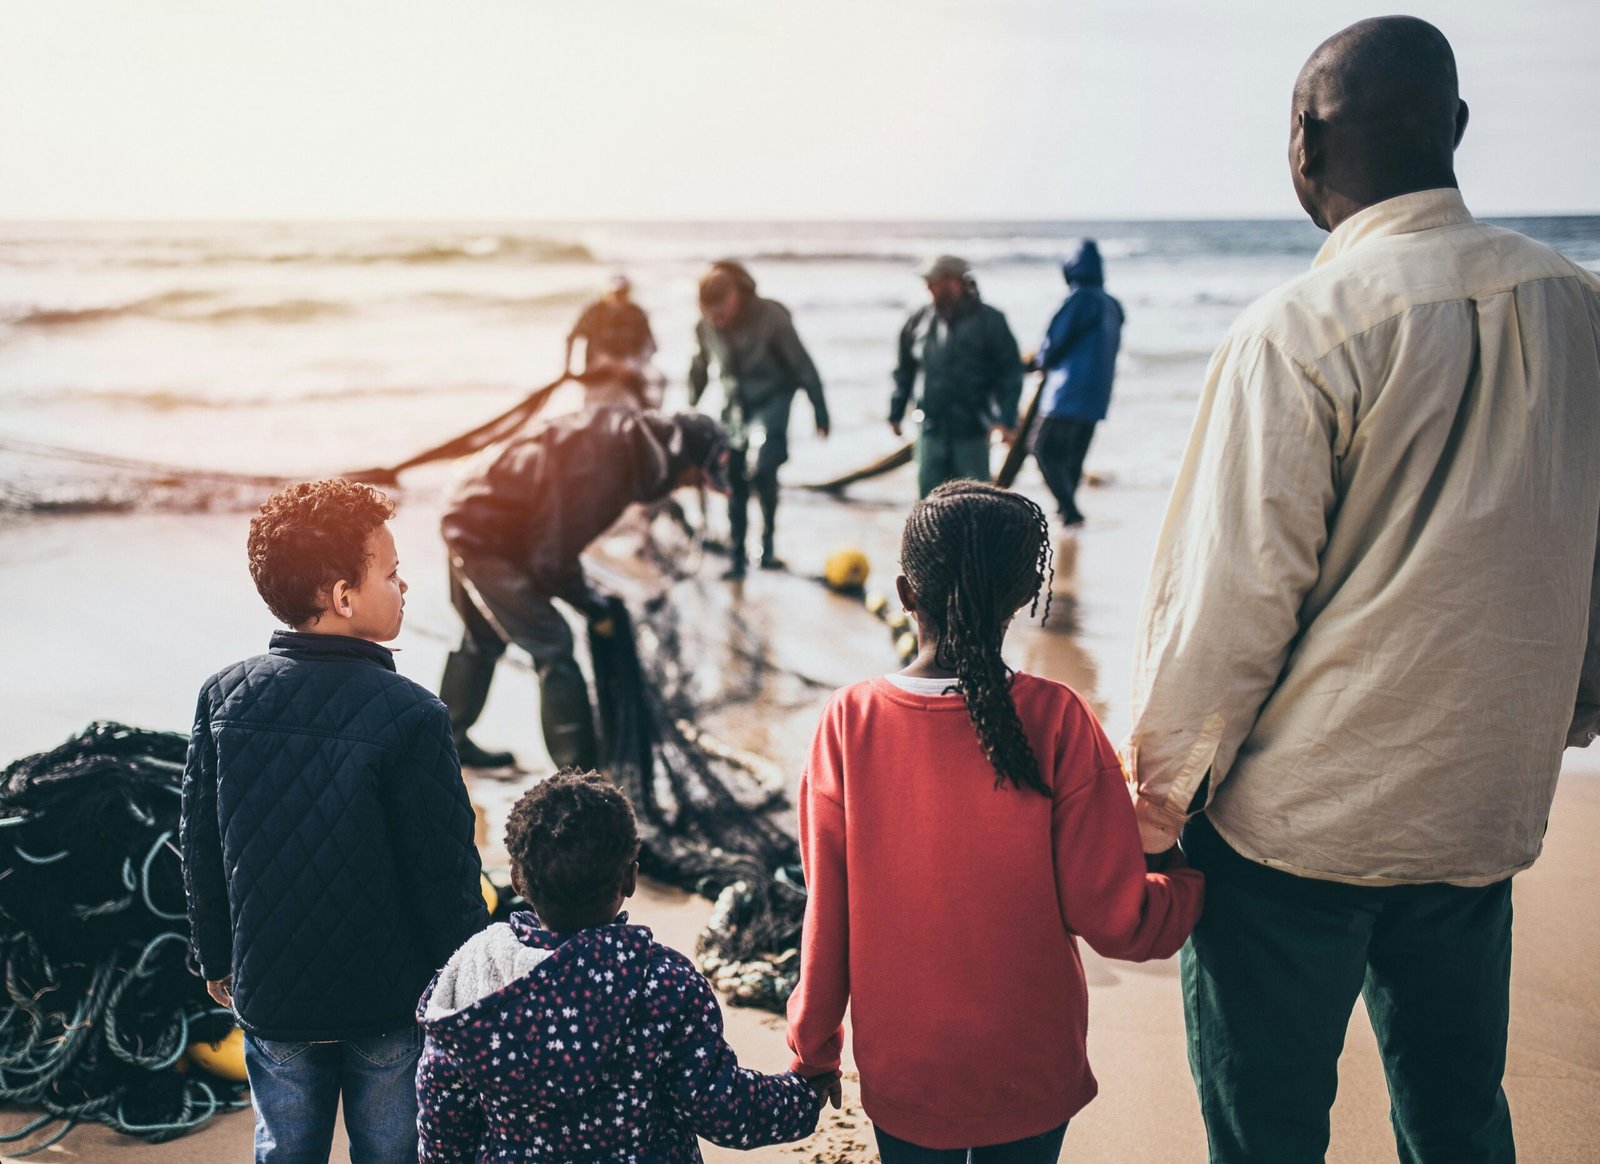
{"points": [[975, 554]]}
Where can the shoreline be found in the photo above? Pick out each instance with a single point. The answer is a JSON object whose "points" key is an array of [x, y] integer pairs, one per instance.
{"points": [[123, 616]]}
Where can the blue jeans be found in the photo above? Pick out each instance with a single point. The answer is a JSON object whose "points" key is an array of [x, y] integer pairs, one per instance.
{"points": [[1044, 1148], [296, 1088]]}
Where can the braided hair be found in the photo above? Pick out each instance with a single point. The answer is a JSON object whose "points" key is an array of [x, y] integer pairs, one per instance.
{"points": [[975, 554]]}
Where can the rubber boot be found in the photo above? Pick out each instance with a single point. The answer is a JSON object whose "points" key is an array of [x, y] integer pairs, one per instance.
{"points": [[464, 690], [738, 528], [566, 716], [767, 495]]}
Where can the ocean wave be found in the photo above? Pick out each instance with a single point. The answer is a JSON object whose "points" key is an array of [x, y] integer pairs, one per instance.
{"points": [[175, 399], [979, 252], [1168, 357], [475, 249], [179, 306]]}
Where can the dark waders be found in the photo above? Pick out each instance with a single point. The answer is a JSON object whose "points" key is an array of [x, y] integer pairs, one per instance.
{"points": [[499, 604]]}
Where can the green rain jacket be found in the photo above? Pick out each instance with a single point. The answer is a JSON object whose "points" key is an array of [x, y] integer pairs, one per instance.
{"points": [[971, 369], [761, 363]]}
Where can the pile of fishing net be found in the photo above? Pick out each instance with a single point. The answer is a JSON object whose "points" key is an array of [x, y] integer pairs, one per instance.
{"points": [[703, 812], [100, 1004]]}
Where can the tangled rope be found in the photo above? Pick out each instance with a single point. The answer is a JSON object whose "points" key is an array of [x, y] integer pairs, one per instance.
{"points": [[99, 1003]]}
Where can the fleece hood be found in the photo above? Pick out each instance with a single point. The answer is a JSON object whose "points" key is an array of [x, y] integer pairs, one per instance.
{"points": [[571, 996], [1084, 266]]}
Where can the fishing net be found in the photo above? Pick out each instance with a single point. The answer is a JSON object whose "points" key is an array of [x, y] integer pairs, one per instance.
{"points": [[702, 810], [44, 478], [100, 1003]]}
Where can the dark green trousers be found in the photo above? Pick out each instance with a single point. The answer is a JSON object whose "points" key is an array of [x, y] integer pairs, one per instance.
{"points": [[1271, 975]]}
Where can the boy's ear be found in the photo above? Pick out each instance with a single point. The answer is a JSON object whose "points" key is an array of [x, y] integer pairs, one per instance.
{"points": [[339, 601], [630, 880]]}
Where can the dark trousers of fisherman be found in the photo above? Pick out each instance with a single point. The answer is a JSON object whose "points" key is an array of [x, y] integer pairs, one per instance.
{"points": [[1060, 445], [1271, 975], [763, 477], [499, 604]]}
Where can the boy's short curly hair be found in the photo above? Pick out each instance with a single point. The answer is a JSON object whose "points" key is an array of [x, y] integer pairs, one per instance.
{"points": [[572, 839], [309, 536]]}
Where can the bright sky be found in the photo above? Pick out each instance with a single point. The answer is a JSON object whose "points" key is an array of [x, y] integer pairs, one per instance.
{"points": [[716, 109]]}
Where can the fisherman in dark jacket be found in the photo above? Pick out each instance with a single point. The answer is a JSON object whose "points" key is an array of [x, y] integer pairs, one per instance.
{"points": [[761, 363], [516, 528], [1079, 360], [327, 838], [971, 376]]}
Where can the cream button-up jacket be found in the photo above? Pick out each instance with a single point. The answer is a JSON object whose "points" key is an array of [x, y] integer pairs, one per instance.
{"points": [[1373, 618]]}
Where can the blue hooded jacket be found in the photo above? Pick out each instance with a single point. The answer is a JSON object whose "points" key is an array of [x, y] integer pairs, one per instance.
{"points": [[1079, 352]]}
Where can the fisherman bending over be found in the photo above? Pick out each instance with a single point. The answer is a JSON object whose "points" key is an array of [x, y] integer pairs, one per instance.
{"points": [[516, 528]]}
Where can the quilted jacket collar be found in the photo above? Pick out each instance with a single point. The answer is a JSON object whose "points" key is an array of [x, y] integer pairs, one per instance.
{"points": [[309, 645]]}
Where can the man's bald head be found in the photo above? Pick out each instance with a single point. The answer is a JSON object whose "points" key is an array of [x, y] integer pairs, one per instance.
{"points": [[1376, 114]]}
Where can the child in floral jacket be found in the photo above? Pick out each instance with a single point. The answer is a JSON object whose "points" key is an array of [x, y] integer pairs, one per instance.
{"points": [[574, 1036]]}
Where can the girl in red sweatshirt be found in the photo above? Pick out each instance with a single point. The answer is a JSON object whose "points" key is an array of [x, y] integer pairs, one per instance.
{"points": [[961, 827]]}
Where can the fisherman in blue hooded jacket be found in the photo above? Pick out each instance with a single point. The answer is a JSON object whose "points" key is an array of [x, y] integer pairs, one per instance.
{"points": [[1079, 360]]}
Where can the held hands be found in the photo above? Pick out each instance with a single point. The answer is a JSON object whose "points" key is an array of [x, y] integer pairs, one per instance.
{"points": [[221, 990], [827, 1088]]}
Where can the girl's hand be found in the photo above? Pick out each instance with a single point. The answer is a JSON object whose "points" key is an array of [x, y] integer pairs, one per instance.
{"points": [[827, 1088]]}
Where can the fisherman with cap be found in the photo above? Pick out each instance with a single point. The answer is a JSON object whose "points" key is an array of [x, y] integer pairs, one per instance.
{"points": [[971, 376], [760, 363], [1079, 360], [516, 528], [618, 345]]}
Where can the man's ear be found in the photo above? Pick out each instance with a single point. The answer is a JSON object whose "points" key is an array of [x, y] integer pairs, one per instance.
{"points": [[1308, 144], [1461, 121]]}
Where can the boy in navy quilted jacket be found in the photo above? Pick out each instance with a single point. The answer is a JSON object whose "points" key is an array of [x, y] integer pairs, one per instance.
{"points": [[576, 1037], [327, 838]]}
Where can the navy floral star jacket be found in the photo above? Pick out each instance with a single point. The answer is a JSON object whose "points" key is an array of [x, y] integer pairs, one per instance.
{"points": [[599, 1045]]}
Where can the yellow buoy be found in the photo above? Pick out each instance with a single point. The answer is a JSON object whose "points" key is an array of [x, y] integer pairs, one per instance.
{"points": [[906, 644], [846, 569], [877, 603], [224, 1058], [491, 895]]}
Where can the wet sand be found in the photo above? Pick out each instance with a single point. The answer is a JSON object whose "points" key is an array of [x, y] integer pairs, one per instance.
{"points": [[124, 616]]}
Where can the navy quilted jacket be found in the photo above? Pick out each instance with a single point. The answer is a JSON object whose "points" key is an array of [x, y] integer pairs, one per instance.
{"points": [[327, 839], [596, 1047]]}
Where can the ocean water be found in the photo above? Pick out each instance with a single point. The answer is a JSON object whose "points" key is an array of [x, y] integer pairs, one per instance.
{"points": [[304, 349]]}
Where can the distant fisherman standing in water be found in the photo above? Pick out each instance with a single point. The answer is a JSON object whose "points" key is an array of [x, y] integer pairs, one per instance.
{"points": [[1079, 360], [617, 348], [971, 376], [761, 363]]}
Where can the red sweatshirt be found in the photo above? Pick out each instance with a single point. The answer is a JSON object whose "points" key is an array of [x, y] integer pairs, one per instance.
{"points": [[943, 910]]}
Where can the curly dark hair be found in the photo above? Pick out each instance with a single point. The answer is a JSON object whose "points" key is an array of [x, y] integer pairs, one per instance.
{"points": [[572, 839], [975, 554], [309, 536]]}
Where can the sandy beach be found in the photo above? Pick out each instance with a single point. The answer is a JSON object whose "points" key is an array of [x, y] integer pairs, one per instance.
{"points": [[122, 616]]}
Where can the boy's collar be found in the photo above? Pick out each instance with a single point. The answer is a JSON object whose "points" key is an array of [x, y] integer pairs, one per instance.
{"points": [[305, 644]]}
